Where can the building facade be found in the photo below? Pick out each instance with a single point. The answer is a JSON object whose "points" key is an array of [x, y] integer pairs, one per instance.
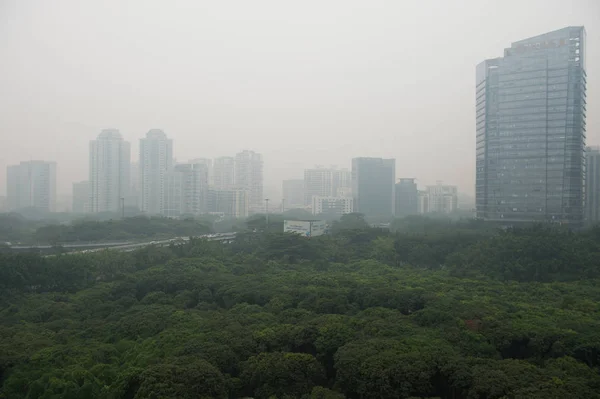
{"points": [[332, 206], [326, 182], [530, 130], [442, 198], [209, 166], [373, 186], [156, 159], [110, 163], [223, 173], [293, 193], [407, 198], [234, 203], [32, 184], [81, 197], [186, 190], [249, 177], [592, 185]]}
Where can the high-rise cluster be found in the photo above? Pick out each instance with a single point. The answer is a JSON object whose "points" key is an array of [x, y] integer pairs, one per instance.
{"points": [[369, 188], [157, 185], [532, 163]]}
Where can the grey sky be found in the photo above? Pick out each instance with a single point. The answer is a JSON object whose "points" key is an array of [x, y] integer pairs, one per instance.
{"points": [[304, 83]]}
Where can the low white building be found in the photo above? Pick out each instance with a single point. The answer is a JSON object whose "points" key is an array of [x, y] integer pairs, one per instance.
{"points": [[334, 206]]}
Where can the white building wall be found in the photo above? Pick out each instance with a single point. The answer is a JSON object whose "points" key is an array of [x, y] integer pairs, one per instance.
{"points": [[109, 171], [249, 176], [32, 184], [332, 205], [223, 173]]}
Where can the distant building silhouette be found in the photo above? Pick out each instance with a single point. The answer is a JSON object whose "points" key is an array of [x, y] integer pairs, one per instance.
{"points": [[407, 198], [223, 173], [31, 184], [293, 193], [81, 197], [373, 186], [156, 158], [249, 177], [326, 182], [110, 163]]}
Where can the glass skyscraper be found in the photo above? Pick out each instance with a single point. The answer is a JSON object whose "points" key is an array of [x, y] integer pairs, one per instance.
{"points": [[530, 123]]}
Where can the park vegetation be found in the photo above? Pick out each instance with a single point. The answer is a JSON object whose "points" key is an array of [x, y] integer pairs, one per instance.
{"points": [[429, 310]]}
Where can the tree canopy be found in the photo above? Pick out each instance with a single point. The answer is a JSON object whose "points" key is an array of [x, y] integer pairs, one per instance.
{"points": [[446, 310]]}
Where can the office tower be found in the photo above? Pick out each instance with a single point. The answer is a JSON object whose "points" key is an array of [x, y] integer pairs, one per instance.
{"points": [[293, 193], [249, 177], [186, 190], [156, 158], [32, 184], [234, 203], [407, 198], [332, 206], [592, 185], [373, 186], [326, 182], [209, 165], [109, 171], [81, 197], [441, 198], [223, 173], [530, 123]]}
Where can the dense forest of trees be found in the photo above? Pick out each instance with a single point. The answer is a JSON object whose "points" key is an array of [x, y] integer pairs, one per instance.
{"points": [[16, 228], [431, 310]]}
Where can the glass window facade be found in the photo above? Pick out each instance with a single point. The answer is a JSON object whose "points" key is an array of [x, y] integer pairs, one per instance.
{"points": [[530, 130]]}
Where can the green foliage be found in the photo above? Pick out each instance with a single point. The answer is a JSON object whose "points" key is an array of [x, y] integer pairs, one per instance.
{"points": [[15, 228], [433, 310]]}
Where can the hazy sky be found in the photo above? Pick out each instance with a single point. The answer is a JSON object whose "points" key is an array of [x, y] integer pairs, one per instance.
{"points": [[303, 82]]}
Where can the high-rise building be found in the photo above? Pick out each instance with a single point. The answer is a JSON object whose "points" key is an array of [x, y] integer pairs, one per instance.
{"points": [[441, 198], [209, 166], [423, 206], [373, 186], [249, 177], [133, 198], [223, 173], [592, 185], [530, 123], [332, 206], [186, 190], [156, 158], [81, 197], [229, 203], [293, 193], [326, 182], [32, 184], [109, 171], [407, 198]]}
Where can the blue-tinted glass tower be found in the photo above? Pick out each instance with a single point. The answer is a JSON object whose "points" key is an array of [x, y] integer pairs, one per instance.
{"points": [[530, 123]]}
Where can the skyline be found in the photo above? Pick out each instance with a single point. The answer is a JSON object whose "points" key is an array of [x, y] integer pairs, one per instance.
{"points": [[362, 87]]}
